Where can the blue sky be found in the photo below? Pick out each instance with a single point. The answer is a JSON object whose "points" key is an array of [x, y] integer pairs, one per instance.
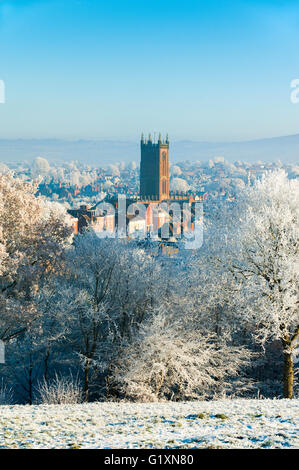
{"points": [[199, 70]]}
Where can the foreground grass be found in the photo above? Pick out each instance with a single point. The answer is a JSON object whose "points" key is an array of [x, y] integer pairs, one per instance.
{"points": [[200, 424]]}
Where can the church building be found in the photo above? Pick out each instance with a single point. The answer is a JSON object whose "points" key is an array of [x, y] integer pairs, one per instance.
{"points": [[154, 169]]}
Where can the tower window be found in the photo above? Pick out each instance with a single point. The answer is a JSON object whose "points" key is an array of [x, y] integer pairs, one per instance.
{"points": [[164, 187], [164, 164]]}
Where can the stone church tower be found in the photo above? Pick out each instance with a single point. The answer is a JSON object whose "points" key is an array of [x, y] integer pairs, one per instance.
{"points": [[154, 169]]}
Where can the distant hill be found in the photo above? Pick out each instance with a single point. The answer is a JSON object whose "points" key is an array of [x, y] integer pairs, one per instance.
{"points": [[103, 152], [285, 149], [93, 152]]}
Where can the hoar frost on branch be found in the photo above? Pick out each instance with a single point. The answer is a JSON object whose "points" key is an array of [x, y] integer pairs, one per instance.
{"points": [[109, 287], [168, 359], [258, 243], [33, 233]]}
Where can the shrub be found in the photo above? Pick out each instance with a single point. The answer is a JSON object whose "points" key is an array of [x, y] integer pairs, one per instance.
{"points": [[6, 394], [60, 391]]}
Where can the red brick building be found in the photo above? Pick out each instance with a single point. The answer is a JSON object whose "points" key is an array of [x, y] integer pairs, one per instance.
{"points": [[154, 169]]}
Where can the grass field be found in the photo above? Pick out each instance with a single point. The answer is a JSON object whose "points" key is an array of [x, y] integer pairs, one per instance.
{"points": [[201, 424]]}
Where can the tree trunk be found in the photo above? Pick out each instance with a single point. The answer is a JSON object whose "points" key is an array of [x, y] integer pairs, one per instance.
{"points": [[86, 380], [288, 375], [30, 371], [46, 366]]}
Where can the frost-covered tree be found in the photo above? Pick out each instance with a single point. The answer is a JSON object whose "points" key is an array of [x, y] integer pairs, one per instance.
{"points": [[175, 170], [107, 185], [33, 233], [219, 160], [259, 245], [122, 166], [132, 165], [108, 288], [179, 184], [114, 170], [40, 167], [238, 184], [171, 359]]}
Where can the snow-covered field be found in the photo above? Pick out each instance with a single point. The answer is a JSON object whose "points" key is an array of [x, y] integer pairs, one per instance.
{"points": [[201, 424]]}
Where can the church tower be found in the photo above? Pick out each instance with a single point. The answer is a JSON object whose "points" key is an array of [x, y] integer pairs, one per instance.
{"points": [[154, 169]]}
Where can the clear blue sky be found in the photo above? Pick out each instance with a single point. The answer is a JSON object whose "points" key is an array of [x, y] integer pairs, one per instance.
{"points": [[201, 70]]}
